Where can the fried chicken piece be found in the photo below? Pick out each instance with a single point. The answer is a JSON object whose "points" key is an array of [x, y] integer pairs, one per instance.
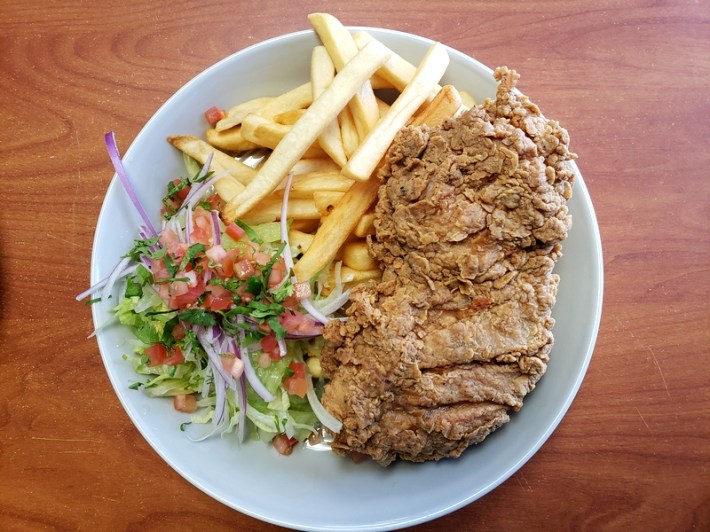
{"points": [[469, 221]]}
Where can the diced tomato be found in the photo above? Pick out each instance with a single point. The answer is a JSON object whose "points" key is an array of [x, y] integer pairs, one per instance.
{"points": [[156, 353], [182, 193], [284, 444], [275, 278], [215, 202], [170, 240], [233, 365], [217, 303], [301, 290], [202, 227], [174, 356], [296, 384], [185, 403], [295, 322], [189, 297], [213, 115], [178, 332], [261, 258], [234, 231], [299, 369], [270, 345], [243, 269]]}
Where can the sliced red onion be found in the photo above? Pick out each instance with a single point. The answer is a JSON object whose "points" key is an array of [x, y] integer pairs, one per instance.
{"points": [[215, 226], [314, 312], [197, 192], [241, 394], [282, 347], [252, 377], [115, 157], [120, 267], [283, 224], [220, 387], [188, 227], [325, 417], [336, 303], [98, 286], [205, 167]]}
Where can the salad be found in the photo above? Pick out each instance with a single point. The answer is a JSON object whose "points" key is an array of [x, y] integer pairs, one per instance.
{"points": [[221, 325]]}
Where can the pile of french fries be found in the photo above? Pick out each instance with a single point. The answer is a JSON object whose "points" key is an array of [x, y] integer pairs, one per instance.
{"points": [[330, 135]]}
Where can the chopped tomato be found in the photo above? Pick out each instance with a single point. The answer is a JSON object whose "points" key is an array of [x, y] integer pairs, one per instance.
{"points": [[215, 202], [170, 240], [213, 115], [275, 278], [185, 403], [233, 365], [270, 345], [301, 290], [174, 356], [299, 369], [243, 269], [295, 322], [182, 193], [261, 258], [178, 332], [203, 229], [213, 302], [234, 231], [296, 384], [156, 353], [284, 444], [189, 297]]}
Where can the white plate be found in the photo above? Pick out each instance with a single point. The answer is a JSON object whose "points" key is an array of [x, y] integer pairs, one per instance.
{"points": [[316, 490]]}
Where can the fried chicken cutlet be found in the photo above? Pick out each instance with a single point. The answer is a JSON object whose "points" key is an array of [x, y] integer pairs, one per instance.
{"points": [[469, 221]]}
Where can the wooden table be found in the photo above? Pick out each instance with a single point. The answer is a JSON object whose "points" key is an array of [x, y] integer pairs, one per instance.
{"points": [[630, 84]]}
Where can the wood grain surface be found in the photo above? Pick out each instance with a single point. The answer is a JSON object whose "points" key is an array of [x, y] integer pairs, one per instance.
{"points": [[629, 80]]}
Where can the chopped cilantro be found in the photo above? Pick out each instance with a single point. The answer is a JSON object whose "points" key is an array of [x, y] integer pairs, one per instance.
{"points": [[192, 252], [145, 248], [198, 316], [250, 232]]}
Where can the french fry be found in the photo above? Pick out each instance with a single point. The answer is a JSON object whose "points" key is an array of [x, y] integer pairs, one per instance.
{"points": [[297, 98], [267, 133], [229, 140], [306, 226], [336, 227], [368, 155], [379, 83], [382, 107], [349, 215], [305, 166], [239, 173], [342, 48], [269, 210], [365, 225], [289, 117], [348, 132], [236, 114], [322, 74], [326, 200], [444, 105], [350, 275], [304, 185], [304, 132], [397, 71], [299, 241], [357, 257]]}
